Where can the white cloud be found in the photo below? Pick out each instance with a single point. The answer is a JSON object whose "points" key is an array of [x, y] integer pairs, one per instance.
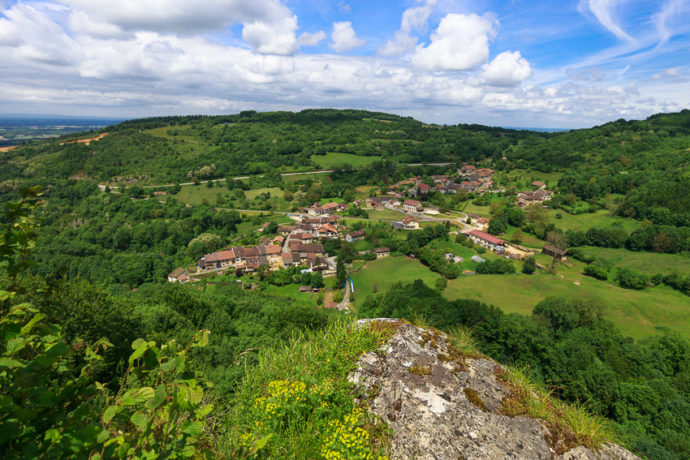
{"points": [[272, 38], [412, 19], [461, 42], [507, 69], [309, 39], [605, 12], [672, 10], [344, 37]]}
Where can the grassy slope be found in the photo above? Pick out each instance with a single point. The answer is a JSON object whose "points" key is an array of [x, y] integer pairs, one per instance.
{"points": [[384, 273], [601, 218], [637, 313], [646, 262], [332, 160]]}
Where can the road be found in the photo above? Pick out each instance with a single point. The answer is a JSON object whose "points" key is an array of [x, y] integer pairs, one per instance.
{"points": [[320, 171]]}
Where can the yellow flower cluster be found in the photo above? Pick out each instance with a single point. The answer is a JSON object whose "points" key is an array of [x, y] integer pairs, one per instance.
{"points": [[346, 439], [247, 440], [281, 393]]}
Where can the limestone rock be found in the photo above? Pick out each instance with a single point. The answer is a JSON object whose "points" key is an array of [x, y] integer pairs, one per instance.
{"points": [[441, 404]]}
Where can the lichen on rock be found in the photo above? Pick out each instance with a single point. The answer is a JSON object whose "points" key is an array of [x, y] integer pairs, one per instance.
{"points": [[453, 409]]}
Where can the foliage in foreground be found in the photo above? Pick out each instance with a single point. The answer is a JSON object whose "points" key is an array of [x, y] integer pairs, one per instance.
{"points": [[49, 405], [298, 399]]}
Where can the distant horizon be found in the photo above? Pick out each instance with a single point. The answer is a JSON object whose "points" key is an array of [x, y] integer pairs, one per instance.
{"points": [[117, 120]]}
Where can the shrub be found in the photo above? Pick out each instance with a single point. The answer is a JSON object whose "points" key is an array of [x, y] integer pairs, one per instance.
{"points": [[630, 279], [596, 271]]}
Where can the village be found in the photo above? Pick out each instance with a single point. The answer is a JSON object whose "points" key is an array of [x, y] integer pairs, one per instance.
{"points": [[300, 244]]}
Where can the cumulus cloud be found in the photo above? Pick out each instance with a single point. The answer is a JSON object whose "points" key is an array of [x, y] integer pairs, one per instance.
{"points": [[507, 69], [461, 42], [344, 37], [412, 19]]}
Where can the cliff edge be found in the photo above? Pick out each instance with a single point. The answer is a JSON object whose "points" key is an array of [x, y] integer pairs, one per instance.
{"points": [[443, 403]]}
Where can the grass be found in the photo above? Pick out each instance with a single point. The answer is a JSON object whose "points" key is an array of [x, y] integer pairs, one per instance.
{"points": [[333, 160], [302, 389], [292, 291], [196, 195], [273, 191], [637, 313], [582, 222], [385, 214], [380, 275], [549, 178], [646, 262], [569, 425]]}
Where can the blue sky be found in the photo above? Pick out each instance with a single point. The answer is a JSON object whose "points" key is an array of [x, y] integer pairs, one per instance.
{"points": [[530, 63]]}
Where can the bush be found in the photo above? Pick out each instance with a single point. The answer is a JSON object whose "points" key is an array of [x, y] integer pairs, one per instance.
{"points": [[630, 279], [530, 266], [497, 267], [596, 271]]}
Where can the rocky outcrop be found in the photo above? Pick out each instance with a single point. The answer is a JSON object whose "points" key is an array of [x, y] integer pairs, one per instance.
{"points": [[441, 403]]}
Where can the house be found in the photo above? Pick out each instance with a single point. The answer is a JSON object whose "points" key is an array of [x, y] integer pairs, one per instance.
{"points": [[482, 223], [486, 240], [412, 205], [285, 229], [410, 223], [288, 260], [539, 184], [382, 252], [424, 189], [179, 275], [219, 259], [305, 289], [530, 197], [466, 169], [327, 231], [159, 193], [553, 251], [377, 201], [278, 240], [355, 236]]}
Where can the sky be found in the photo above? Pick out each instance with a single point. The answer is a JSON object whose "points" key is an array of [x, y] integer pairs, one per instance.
{"points": [[519, 63]]}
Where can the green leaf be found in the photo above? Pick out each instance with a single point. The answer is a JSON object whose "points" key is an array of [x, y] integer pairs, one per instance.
{"points": [[103, 436], [11, 363], [201, 338], [37, 317], [138, 343], [204, 410], [52, 435], [192, 428], [261, 443], [138, 353], [139, 419], [109, 413]]}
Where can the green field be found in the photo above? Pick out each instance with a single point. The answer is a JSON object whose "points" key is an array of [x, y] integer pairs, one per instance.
{"points": [[291, 290], [582, 222], [385, 214], [384, 273], [196, 195], [531, 176], [636, 313], [333, 160], [274, 191], [645, 262]]}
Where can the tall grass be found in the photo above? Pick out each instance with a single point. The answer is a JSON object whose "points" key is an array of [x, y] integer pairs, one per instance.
{"points": [[297, 401]]}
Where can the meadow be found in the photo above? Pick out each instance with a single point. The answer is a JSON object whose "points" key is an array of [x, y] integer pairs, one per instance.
{"points": [[378, 276], [646, 262], [333, 160], [637, 313]]}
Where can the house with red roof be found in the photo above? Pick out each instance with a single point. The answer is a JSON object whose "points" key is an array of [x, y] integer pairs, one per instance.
{"points": [[487, 240]]}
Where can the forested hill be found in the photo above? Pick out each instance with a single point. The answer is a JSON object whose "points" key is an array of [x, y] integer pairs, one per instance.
{"points": [[177, 149]]}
